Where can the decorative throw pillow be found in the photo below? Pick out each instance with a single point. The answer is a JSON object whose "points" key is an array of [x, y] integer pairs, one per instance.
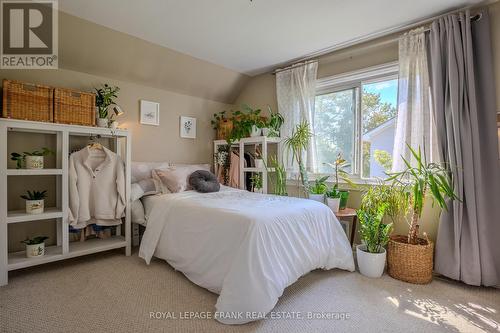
{"points": [[204, 181], [142, 188], [176, 178]]}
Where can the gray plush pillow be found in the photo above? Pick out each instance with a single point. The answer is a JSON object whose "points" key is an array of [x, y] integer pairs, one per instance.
{"points": [[204, 181]]}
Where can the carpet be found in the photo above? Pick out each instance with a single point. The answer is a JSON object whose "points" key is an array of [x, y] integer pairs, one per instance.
{"points": [[109, 292]]}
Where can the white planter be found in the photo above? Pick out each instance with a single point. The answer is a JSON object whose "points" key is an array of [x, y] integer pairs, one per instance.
{"points": [[255, 131], [333, 203], [370, 264], [102, 122], [34, 162], [36, 250], [266, 131], [317, 197], [35, 206], [259, 163], [258, 190]]}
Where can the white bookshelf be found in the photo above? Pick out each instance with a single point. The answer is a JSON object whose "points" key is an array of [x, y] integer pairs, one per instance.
{"points": [[63, 248], [264, 143]]}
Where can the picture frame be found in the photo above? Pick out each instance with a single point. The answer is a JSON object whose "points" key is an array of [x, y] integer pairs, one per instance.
{"points": [[187, 127], [150, 113]]}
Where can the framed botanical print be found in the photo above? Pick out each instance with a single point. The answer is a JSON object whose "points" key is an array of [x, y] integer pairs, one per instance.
{"points": [[150, 113], [188, 127]]}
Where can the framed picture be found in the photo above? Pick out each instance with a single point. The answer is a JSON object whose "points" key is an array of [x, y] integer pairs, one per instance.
{"points": [[150, 113], [188, 127]]}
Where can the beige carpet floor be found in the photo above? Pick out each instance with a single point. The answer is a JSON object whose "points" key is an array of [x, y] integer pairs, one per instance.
{"points": [[113, 293]]}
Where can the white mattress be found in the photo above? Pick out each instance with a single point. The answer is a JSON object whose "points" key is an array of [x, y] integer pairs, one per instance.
{"points": [[244, 246]]}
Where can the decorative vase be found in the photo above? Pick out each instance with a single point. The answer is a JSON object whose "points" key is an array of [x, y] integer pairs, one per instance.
{"points": [[370, 264], [35, 250], [34, 162], [35, 206], [259, 163], [333, 203], [344, 195], [102, 122], [255, 131], [317, 197], [410, 262]]}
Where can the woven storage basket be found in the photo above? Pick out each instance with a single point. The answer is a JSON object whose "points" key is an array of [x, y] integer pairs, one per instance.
{"points": [[408, 262], [224, 129], [27, 101], [74, 107]]}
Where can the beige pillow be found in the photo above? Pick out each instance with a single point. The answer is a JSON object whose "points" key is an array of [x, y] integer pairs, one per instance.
{"points": [[176, 179]]}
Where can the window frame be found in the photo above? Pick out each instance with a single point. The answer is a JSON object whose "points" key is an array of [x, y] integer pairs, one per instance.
{"points": [[355, 80]]}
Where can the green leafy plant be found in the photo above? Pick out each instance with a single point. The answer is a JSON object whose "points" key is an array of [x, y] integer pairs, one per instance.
{"points": [[105, 96], [35, 240], [21, 158], [279, 175], [296, 144], [256, 181], [371, 229], [418, 181], [274, 123], [395, 198], [339, 167], [319, 186], [35, 195], [223, 160], [333, 193], [217, 118]]}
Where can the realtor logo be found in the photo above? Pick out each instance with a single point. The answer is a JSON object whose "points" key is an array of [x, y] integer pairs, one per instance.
{"points": [[29, 37]]}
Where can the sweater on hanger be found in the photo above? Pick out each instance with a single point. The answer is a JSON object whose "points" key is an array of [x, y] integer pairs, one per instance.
{"points": [[96, 188]]}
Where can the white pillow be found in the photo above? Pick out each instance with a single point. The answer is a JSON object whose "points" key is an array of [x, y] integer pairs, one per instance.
{"points": [[137, 212], [144, 187], [175, 178], [142, 170]]}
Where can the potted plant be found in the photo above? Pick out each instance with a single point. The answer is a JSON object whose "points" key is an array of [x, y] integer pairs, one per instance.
{"points": [[410, 258], [318, 190], [333, 199], [254, 119], [371, 254], [273, 125], [35, 201], [223, 160], [31, 160], [35, 247], [222, 125], [296, 144], [279, 176], [339, 167], [256, 182], [105, 97]]}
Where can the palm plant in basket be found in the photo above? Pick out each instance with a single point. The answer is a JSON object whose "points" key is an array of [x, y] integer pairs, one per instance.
{"points": [[410, 258]]}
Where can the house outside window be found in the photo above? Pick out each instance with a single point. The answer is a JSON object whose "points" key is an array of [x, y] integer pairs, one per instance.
{"points": [[355, 114]]}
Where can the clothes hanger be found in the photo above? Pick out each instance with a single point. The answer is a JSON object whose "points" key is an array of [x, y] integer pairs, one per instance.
{"points": [[93, 144]]}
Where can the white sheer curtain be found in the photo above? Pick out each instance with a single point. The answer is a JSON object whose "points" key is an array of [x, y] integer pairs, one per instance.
{"points": [[415, 125], [296, 91]]}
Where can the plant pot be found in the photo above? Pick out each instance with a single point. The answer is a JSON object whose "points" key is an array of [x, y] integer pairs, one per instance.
{"points": [[34, 162], [259, 163], [333, 203], [317, 197], [266, 131], [255, 131], [344, 195], [102, 122], [224, 129], [410, 262], [370, 264], [34, 206], [35, 250], [258, 190]]}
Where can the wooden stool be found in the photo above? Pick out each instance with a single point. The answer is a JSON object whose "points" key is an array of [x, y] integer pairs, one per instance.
{"points": [[349, 213]]}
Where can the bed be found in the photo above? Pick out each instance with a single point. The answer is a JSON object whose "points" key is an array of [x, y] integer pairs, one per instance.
{"points": [[246, 247]]}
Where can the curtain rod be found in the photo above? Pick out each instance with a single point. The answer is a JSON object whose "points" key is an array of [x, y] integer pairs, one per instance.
{"points": [[316, 55]]}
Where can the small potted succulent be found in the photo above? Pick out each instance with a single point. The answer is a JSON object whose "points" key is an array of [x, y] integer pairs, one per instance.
{"points": [[35, 247], [35, 201], [318, 190], [105, 96], [371, 255], [31, 160], [256, 182]]}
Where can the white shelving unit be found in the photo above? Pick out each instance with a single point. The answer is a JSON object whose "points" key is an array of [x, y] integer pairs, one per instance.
{"points": [[63, 248], [263, 142]]}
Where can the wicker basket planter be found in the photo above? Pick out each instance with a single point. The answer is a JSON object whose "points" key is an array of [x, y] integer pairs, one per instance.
{"points": [[408, 262]]}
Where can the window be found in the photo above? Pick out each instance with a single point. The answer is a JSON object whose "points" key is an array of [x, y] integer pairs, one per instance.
{"points": [[355, 114]]}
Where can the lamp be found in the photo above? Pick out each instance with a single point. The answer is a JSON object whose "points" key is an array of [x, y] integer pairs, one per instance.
{"points": [[116, 111]]}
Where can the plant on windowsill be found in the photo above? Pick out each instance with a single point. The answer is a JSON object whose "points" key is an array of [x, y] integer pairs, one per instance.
{"points": [[318, 190], [410, 258], [371, 255], [35, 201], [35, 247], [105, 97], [339, 167], [31, 160], [296, 144]]}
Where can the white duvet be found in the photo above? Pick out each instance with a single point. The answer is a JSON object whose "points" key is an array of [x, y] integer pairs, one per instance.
{"points": [[244, 246]]}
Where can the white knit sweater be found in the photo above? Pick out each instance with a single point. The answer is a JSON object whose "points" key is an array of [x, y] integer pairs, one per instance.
{"points": [[96, 188]]}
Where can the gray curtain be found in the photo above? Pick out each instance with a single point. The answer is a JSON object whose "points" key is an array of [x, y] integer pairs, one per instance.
{"points": [[463, 89]]}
